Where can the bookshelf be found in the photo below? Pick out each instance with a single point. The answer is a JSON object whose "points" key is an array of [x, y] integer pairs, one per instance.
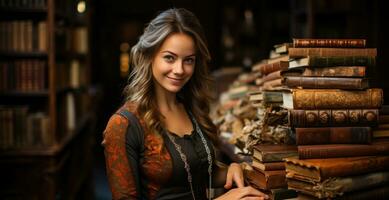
{"points": [[46, 112]]}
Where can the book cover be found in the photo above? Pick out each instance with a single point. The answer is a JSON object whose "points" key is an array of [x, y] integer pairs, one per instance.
{"points": [[326, 83], [267, 68], [304, 52], [266, 180], [268, 166], [338, 71], [273, 153], [332, 61], [333, 135], [343, 150], [333, 117], [343, 43], [338, 186], [318, 170], [332, 99]]}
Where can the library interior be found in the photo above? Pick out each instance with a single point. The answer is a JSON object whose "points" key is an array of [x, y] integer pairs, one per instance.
{"points": [[299, 98]]}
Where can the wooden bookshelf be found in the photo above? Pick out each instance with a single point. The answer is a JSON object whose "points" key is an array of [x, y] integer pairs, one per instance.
{"points": [[46, 120]]}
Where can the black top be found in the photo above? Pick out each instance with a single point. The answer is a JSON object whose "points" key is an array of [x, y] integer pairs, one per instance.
{"points": [[178, 186]]}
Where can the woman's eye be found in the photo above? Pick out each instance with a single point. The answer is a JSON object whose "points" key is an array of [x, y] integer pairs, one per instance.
{"points": [[190, 61], [169, 58]]}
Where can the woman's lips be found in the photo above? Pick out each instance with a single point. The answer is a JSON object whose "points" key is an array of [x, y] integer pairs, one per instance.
{"points": [[176, 81]]}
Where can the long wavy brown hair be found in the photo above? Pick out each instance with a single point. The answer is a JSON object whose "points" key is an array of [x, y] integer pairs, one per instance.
{"points": [[195, 94]]}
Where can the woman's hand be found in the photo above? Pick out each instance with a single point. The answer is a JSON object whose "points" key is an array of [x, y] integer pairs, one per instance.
{"points": [[243, 193], [234, 174]]}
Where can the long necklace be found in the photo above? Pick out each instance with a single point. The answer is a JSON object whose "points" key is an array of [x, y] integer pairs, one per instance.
{"points": [[185, 160]]}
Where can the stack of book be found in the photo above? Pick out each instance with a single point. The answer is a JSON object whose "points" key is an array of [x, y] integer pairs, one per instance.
{"points": [[274, 139], [333, 110], [267, 171]]}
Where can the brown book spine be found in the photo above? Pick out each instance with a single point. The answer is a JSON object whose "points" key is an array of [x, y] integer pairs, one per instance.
{"points": [[269, 85], [303, 52], [340, 71], [333, 135], [318, 170], [272, 67], [344, 43], [268, 166], [342, 150], [266, 179], [270, 77], [344, 117], [326, 82], [337, 99]]}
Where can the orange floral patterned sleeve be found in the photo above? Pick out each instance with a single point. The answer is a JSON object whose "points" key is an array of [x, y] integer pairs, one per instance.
{"points": [[120, 175]]}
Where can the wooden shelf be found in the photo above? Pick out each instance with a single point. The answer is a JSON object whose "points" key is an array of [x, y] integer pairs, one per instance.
{"points": [[40, 55], [43, 93], [22, 11], [49, 150]]}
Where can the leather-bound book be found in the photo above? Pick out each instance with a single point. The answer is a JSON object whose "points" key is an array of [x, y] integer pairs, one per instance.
{"points": [[338, 71], [268, 166], [303, 52], [273, 152], [333, 135], [338, 186], [380, 147], [318, 170], [332, 61], [266, 180], [267, 68], [341, 117], [332, 99], [326, 82], [336, 43]]}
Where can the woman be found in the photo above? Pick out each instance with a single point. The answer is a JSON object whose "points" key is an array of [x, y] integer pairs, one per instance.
{"points": [[167, 152]]}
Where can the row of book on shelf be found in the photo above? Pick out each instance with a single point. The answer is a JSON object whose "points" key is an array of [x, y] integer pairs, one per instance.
{"points": [[26, 4], [318, 92], [25, 127], [31, 36]]}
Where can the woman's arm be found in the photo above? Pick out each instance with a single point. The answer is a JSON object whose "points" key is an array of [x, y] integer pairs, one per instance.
{"points": [[120, 174]]}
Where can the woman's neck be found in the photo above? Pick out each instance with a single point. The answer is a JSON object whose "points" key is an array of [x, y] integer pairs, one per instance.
{"points": [[166, 101]]}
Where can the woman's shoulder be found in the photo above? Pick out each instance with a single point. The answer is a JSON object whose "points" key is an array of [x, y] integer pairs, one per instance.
{"points": [[118, 123]]}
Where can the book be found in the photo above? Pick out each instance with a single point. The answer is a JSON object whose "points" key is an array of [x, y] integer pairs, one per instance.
{"points": [[256, 98], [332, 61], [333, 135], [326, 82], [339, 71], [282, 193], [273, 153], [344, 43], [270, 77], [282, 48], [377, 147], [271, 97], [333, 117], [267, 68], [338, 186], [271, 85], [266, 180], [380, 192], [268, 166], [303, 52], [318, 170], [332, 99]]}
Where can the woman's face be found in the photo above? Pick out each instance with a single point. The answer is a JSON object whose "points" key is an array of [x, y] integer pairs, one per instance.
{"points": [[174, 63]]}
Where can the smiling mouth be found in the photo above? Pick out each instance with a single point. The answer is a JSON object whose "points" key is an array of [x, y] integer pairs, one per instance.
{"points": [[176, 79]]}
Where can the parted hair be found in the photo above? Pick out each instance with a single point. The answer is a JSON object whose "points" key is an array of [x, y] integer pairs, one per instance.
{"points": [[195, 94]]}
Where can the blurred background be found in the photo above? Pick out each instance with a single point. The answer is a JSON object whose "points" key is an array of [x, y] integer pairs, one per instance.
{"points": [[64, 64]]}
